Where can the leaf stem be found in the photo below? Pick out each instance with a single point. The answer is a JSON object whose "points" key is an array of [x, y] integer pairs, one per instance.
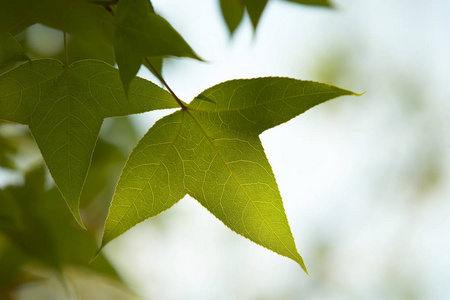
{"points": [[65, 49], [165, 84]]}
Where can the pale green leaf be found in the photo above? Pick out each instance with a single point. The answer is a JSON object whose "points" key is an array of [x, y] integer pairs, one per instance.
{"points": [[152, 180], [64, 108], [139, 33], [11, 52], [232, 11], [211, 151]]}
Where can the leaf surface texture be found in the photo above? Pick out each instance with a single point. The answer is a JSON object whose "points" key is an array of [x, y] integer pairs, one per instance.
{"points": [[211, 151], [64, 108]]}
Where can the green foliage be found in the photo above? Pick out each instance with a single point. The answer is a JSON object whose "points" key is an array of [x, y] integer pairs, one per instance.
{"points": [[139, 33], [208, 149], [312, 2], [255, 9], [8, 147], [65, 107], [232, 11], [11, 52], [211, 151], [41, 228], [66, 15]]}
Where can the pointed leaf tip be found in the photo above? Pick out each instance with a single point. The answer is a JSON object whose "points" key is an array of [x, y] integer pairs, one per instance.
{"points": [[211, 150], [141, 33], [64, 107], [77, 216]]}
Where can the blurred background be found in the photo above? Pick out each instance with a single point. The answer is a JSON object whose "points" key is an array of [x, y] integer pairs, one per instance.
{"points": [[364, 180]]}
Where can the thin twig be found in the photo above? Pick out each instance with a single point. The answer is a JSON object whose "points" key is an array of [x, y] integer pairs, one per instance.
{"points": [[165, 84]]}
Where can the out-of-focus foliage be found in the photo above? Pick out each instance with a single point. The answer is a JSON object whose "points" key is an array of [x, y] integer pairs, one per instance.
{"points": [[64, 106], [39, 238], [233, 10], [8, 147], [11, 52], [142, 33], [41, 230], [132, 33]]}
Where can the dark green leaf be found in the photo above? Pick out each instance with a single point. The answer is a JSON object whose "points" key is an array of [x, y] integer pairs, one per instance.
{"points": [[11, 52], [65, 107], [65, 15], [7, 148], [11, 264], [139, 33], [48, 233], [15, 16], [255, 9], [30, 234], [313, 2], [232, 11]]}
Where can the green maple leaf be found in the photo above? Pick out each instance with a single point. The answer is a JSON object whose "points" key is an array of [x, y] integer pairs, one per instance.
{"points": [[211, 151], [64, 107], [140, 33]]}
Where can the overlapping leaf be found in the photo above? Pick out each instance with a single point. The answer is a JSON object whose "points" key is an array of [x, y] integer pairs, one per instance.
{"points": [[42, 228], [8, 147], [233, 10], [139, 33], [211, 151], [64, 108], [135, 31], [11, 52], [77, 17]]}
